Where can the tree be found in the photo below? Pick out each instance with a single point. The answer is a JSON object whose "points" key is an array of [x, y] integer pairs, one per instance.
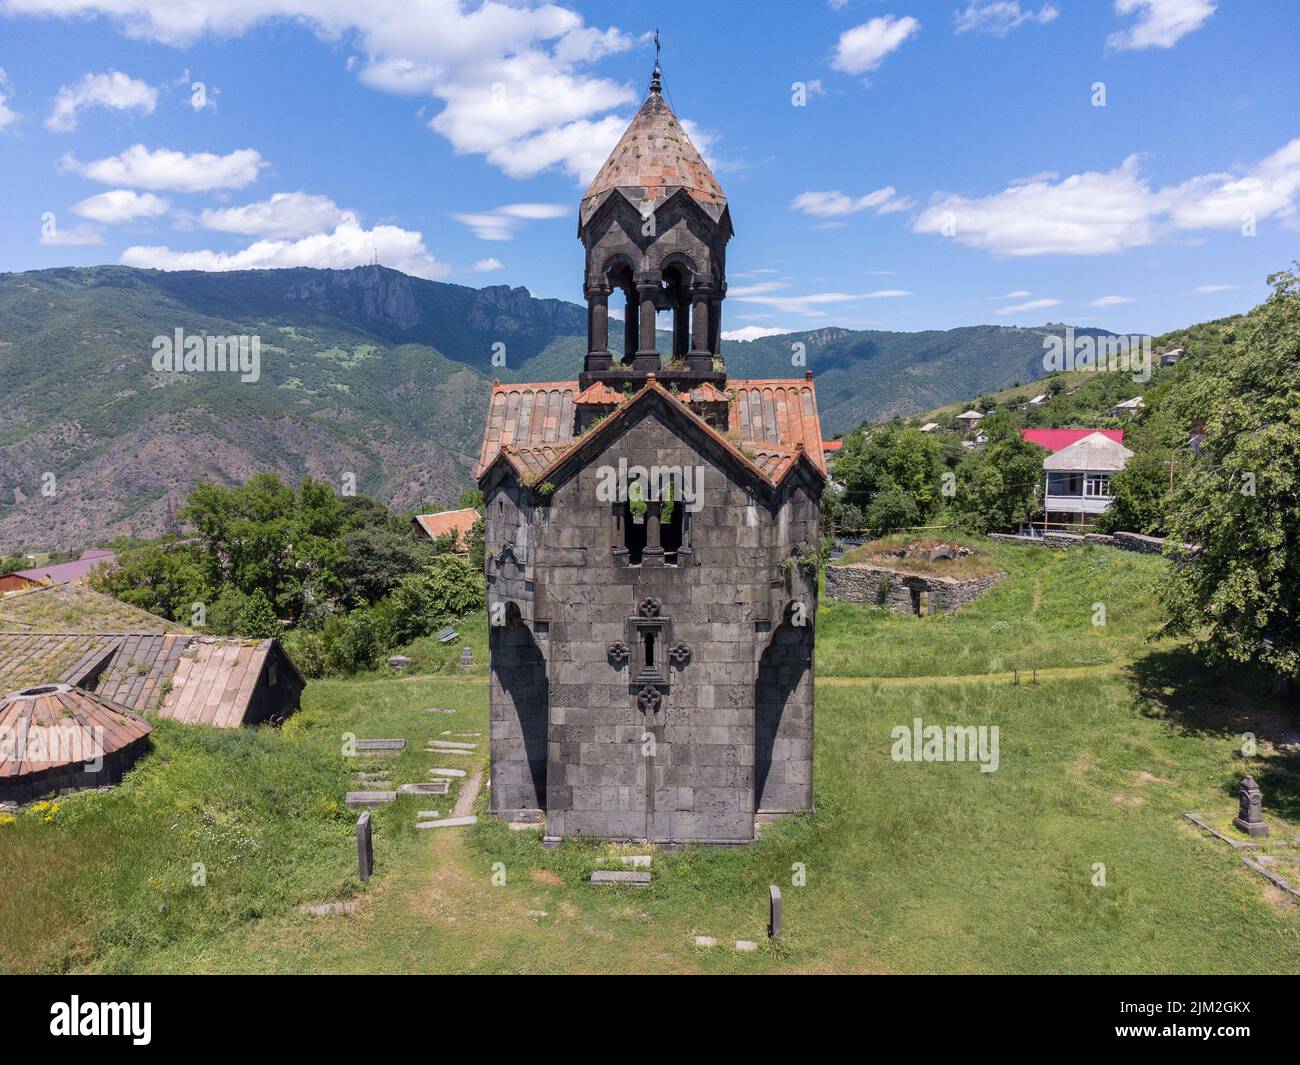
{"points": [[997, 485], [257, 618], [166, 580], [902, 468], [1141, 494], [449, 588], [1236, 593]]}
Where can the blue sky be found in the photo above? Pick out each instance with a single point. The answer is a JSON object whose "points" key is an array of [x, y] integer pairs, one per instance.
{"points": [[950, 165]]}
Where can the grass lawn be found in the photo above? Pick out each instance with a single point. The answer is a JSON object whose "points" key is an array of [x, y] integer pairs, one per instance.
{"points": [[909, 867]]}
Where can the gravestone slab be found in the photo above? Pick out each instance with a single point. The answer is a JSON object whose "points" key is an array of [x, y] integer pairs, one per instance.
{"points": [[620, 876]]}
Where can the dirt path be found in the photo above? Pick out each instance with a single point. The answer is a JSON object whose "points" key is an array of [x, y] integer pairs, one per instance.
{"points": [[468, 793], [1054, 673]]}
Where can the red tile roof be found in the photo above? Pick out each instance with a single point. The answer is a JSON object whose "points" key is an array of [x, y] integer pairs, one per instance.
{"points": [[774, 419], [1056, 439], [653, 157], [460, 522], [55, 705]]}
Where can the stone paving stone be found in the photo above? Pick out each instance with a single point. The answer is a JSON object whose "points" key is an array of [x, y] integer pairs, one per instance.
{"points": [[705, 941], [325, 909], [619, 876], [432, 787], [449, 822], [745, 946], [356, 799], [446, 772]]}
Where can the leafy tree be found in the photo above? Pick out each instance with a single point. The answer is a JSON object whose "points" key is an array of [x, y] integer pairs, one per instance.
{"points": [[164, 579], [891, 509], [449, 588], [375, 558], [1141, 494], [997, 485], [1237, 593], [904, 466], [256, 618]]}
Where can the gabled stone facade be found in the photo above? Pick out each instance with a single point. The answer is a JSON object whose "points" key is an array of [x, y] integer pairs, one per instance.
{"points": [[652, 654]]}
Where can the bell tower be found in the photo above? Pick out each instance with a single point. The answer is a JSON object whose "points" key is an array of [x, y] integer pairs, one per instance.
{"points": [[655, 224]]}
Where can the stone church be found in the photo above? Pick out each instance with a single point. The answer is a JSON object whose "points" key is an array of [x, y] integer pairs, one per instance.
{"points": [[652, 535]]}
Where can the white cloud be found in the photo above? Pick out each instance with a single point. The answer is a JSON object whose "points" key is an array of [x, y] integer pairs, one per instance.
{"points": [[1000, 17], [1110, 301], [486, 266], [348, 245], [284, 216], [1102, 212], [1160, 23], [503, 223], [113, 90], [139, 167], [753, 332], [7, 116], [1032, 305], [513, 75], [863, 48], [121, 205], [77, 236], [579, 148], [1209, 290], [833, 202], [1018, 294], [770, 294]]}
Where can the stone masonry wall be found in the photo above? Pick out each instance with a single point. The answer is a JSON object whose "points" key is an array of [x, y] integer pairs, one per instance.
{"points": [[861, 583], [696, 780]]}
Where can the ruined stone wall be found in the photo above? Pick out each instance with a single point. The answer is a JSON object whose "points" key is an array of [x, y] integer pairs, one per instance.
{"points": [[876, 586]]}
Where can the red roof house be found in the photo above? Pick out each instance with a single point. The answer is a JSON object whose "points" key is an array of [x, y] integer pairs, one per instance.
{"points": [[1055, 440]]}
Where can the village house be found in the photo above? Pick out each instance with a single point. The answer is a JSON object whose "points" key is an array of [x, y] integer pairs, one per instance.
{"points": [[458, 523], [74, 572], [1077, 471], [1128, 408], [652, 530], [970, 419]]}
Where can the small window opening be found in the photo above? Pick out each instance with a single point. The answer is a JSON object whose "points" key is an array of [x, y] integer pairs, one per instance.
{"points": [[633, 536]]}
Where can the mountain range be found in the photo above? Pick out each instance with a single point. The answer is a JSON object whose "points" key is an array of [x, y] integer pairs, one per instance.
{"points": [[370, 379]]}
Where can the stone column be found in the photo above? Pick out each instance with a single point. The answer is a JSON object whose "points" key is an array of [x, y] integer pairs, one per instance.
{"points": [[653, 553], [700, 358], [647, 355], [598, 357], [631, 327], [681, 325]]}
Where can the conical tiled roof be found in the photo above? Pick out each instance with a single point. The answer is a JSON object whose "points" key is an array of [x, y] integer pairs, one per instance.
{"points": [[59, 706], [653, 159]]}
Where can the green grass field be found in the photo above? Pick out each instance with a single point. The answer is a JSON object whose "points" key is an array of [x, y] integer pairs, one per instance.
{"points": [[929, 867]]}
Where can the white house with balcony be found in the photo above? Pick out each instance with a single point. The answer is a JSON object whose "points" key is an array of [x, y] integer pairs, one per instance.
{"points": [[1078, 479]]}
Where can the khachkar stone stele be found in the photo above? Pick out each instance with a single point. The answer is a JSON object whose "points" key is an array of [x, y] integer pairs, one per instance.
{"points": [[650, 657], [1250, 816]]}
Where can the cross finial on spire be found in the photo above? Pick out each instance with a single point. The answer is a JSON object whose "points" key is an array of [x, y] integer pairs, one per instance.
{"points": [[656, 76]]}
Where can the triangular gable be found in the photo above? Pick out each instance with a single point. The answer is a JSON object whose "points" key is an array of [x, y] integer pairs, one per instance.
{"points": [[769, 467]]}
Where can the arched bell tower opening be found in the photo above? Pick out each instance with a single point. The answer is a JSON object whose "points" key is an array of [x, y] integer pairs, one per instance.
{"points": [[655, 224]]}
